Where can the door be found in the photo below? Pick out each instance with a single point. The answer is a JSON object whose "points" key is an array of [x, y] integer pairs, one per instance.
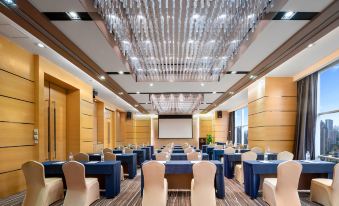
{"points": [[55, 121]]}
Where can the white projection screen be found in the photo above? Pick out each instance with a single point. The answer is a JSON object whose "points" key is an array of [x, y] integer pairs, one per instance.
{"points": [[175, 126]]}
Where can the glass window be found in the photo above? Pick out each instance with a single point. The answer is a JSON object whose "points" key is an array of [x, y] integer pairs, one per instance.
{"points": [[241, 126], [327, 138]]}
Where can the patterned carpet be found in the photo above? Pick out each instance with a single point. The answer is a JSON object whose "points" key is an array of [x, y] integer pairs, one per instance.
{"points": [[130, 196]]}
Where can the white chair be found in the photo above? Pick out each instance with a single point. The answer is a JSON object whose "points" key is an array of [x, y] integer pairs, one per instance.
{"points": [[81, 157], [229, 150], [109, 156], [283, 190], [40, 190], [166, 149], [193, 156], [107, 150], [188, 150], [219, 147], [163, 156], [81, 191], [257, 150], [128, 151], [202, 185], [238, 170], [326, 191], [155, 184], [285, 155]]}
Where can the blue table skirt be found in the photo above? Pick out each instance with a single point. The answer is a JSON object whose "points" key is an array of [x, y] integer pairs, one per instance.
{"points": [[148, 152], [253, 170], [204, 148], [127, 160], [141, 156], [185, 167], [109, 171], [117, 151], [180, 156], [230, 160], [152, 148]]}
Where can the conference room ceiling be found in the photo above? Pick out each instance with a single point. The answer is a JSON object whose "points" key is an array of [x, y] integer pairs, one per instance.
{"points": [[90, 39]]}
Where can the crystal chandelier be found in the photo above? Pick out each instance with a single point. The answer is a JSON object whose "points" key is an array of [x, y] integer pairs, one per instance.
{"points": [[179, 40], [182, 103]]}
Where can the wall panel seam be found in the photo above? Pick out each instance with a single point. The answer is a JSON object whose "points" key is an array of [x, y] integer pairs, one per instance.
{"points": [[16, 75], [1, 95]]}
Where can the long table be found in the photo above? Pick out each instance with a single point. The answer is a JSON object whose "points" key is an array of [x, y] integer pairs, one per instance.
{"points": [[128, 161], [181, 156], [152, 148], [108, 173], [218, 153], [230, 160], [141, 156], [185, 167], [253, 170], [148, 151]]}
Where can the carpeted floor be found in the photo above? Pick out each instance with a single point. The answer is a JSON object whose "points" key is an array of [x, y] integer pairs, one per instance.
{"points": [[130, 196]]}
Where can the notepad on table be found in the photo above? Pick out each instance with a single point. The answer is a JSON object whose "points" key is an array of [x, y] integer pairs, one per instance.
{"points": [[59, 162], [264, 161], [163, 162], [195, 161], [92, 162]]}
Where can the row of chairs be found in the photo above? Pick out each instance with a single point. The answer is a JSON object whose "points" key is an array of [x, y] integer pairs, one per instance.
{"points": [[156, 186], [81, 191], [165, 156]]}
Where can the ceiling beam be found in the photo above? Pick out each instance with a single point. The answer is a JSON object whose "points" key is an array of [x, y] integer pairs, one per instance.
{"points": [[318, 27]]}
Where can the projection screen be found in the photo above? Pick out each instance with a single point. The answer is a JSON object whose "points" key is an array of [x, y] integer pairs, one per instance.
{"points": [[175, 126]]}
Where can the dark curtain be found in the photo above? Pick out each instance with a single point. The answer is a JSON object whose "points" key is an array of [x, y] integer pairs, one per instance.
{"points": [[231, 123], [306, 116]]}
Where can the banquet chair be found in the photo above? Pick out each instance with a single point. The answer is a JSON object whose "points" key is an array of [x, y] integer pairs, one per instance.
{"points": [[155, 184], [285, 155], [81, 191], [166, 149], [163, 156], [238, 170], [193, 156], [219, 147], [283, 189], [326, 191], [128, 150], [185, 145], [81, 157], [40, 190], [228, 150], [109, 156], [257, 150], [107, 150], [202, 184], [188, 150]]}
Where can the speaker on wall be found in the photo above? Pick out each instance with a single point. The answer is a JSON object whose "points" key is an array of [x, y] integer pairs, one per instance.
{"points": [[95, 93], [129, 115], [219, 114]]}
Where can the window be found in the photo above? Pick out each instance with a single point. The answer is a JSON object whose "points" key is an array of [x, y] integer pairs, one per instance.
{"points": [[327, 138], [241, 126]]}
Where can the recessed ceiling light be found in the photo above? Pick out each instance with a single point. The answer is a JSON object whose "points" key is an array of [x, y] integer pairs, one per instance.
{"points": [[136, 105], [121, 72], [233, 72], [202, 84], [9, 2], [288, 15], [253, 77], [138, 92], [214, 92], [146, 103], [310, 45], [120, 93], [151, 84], [73, 15], [40, 45], [231, 93], [102, 77]]}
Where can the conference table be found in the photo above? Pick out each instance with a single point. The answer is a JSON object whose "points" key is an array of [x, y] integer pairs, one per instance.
{"points": [[181, 156], [218, 153], [174, 171], [253, 170], [128, 161], [107, 172], [141, 156], [178, 150], [152, 148], [230, 160], [148, 151]]}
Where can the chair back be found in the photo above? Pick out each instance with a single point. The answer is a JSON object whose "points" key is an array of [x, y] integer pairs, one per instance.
{"points": [[128, 150], [109, 156], [188, 150], [288, 178], [193, 156], [204, 174], [167, 150], [248, 156], [285, 155], [107, 150], [81, 157], [75, 175], [34, 174], [219, 147], [154, 174], [257, 149], [229, 150], [163, 156], [335, 182]]}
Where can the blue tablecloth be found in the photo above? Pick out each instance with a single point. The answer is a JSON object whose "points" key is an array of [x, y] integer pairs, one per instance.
{"points": [[253, 170], [220, 143], [185, 167], [152, 148], [141, 155], [178, 151], [209, 151], [148, 152], [204, 148], [230, 160], [127, 160], [117, 151], [180, 156], [108, 171], [217, 153]]}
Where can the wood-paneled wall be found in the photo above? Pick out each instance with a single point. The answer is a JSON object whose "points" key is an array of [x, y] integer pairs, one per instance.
{"points": [[215, 126], [272, 113]]}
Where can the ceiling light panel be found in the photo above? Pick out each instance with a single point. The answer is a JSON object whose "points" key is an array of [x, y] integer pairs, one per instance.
{"points": [[174, 40]]}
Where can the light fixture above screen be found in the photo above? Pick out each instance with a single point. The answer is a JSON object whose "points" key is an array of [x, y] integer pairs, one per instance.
{"points": [[177, 40], [176, 103]]}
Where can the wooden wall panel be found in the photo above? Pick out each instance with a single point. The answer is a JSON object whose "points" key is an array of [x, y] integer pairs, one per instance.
{"points": [[13, 110], [272, 119], [256, 90], [86, 107], [86, 134], [272, 133], [87, 146], [12, 158], [280, 87], [11, 183], [14, 86], [272, 104], [13, 134], [86, 121], [275, 146]]}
